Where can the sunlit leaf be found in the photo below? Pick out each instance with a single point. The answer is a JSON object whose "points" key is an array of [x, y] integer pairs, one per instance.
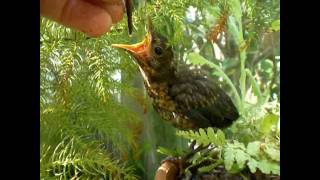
{"points": [[241, 157], [166, 151], [267, 167], [253, 148], [267, 122], [275, 25], [273, 152], [229, 158]]}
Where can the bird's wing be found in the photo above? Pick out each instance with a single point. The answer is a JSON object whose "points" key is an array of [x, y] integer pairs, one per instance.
{"points": [[203, 101]]}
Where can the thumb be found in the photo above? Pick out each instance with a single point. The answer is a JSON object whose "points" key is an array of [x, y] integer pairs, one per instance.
{"points": [[78, 14]]}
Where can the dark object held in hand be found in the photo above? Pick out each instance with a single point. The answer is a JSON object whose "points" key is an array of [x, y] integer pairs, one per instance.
{"points": [[129, 9]]}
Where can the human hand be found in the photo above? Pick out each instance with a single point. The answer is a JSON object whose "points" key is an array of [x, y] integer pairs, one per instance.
{"points": [[93, 17]]}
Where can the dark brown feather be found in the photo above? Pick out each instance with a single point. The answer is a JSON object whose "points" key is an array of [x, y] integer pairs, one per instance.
{"points": [[209, 105]]}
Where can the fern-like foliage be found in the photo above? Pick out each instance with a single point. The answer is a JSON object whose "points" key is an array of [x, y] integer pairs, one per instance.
{"points": [[257, 155], [204, 137]]}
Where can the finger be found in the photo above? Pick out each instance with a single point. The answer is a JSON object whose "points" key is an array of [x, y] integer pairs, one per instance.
{"points": [[116, 12], [86, 17], [51, 8], [78, 14], [114, 7], [119, 2]]}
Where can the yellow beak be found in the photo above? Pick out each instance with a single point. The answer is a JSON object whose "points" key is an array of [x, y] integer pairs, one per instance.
{"points": [[139, 50]]}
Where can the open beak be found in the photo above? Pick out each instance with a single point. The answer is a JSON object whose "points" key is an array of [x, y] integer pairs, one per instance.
{"points": [[141, 50]]}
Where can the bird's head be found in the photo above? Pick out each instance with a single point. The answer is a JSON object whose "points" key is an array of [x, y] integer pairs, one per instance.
{"points": [[153, 55]]}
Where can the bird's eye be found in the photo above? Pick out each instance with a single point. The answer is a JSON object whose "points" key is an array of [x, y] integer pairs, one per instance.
{"points": [[158, 50]]}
